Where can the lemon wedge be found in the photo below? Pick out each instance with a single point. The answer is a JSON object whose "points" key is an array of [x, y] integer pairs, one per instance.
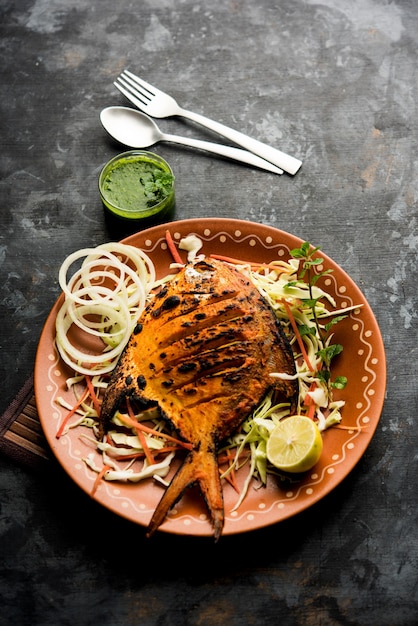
{"points": [[295, 444]]}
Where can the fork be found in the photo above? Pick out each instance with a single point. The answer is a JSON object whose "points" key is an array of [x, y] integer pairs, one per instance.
{"points": [[159, 104]]}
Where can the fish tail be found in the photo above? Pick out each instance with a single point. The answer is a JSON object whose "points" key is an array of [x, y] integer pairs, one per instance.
{"points": [[198, 467]]}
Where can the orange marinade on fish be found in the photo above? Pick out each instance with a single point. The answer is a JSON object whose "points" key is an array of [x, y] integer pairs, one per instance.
{"points": [[202, 351]]}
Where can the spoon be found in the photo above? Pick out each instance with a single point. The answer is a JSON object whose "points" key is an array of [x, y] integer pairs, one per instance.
{"points": [[136, 130]]}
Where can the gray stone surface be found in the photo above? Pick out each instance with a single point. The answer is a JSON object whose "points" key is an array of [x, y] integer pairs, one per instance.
{"points": [[333, 82]]}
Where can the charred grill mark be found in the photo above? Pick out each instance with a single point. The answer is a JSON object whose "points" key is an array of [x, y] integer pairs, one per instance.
{"points": [[187, 367], [185, 352], [163, 291], [190, 301], [233, 377], [217, 336], [169, 303], [141, 382], [230, 364], [187, 328], [194, 398]]}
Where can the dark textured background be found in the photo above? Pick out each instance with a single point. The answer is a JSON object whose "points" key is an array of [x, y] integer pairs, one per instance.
{"points": [[333, 83]]}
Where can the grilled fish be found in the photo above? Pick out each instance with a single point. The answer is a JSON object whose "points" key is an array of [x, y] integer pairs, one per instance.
{"points": [[202, 351]]}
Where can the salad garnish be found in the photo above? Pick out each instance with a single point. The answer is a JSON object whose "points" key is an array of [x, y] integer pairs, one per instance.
{"points": [[105, 297]]}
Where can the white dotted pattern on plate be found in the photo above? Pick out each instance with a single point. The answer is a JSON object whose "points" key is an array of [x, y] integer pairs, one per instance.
{"points": [[308, 489]]}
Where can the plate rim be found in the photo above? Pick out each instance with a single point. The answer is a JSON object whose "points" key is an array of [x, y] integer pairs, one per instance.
{"points": [[229, 225]]}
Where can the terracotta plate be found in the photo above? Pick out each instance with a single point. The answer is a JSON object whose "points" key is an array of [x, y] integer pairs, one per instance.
{"points": [[363, 362]]}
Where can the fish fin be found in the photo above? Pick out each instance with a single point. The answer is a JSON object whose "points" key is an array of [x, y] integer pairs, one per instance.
{"points": [[124, 383], [198, 467]]}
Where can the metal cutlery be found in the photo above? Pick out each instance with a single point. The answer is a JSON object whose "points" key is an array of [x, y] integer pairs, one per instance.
{"points": [[159, 104], [136, 130]]}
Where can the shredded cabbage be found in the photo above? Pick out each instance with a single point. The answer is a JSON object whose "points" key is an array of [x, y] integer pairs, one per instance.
{"points": [[148, 471], [105, 297]]}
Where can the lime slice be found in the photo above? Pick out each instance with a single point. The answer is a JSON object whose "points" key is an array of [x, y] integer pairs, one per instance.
{"points": [[295, 444]]}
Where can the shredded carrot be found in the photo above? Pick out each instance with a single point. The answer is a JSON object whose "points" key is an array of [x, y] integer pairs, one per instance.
{"points": [[228, 259], [311, 410], [141, 436], [98, 480], [166, 450], [230, 478], [309, 401], [225, 458], [172, 247], [93, 395], [128, 421], [298, 335], [129, 457], [82, 398], [140, 455]]}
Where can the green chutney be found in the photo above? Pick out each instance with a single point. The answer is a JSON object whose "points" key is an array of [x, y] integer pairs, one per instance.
{"points": [[137, 185]]}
